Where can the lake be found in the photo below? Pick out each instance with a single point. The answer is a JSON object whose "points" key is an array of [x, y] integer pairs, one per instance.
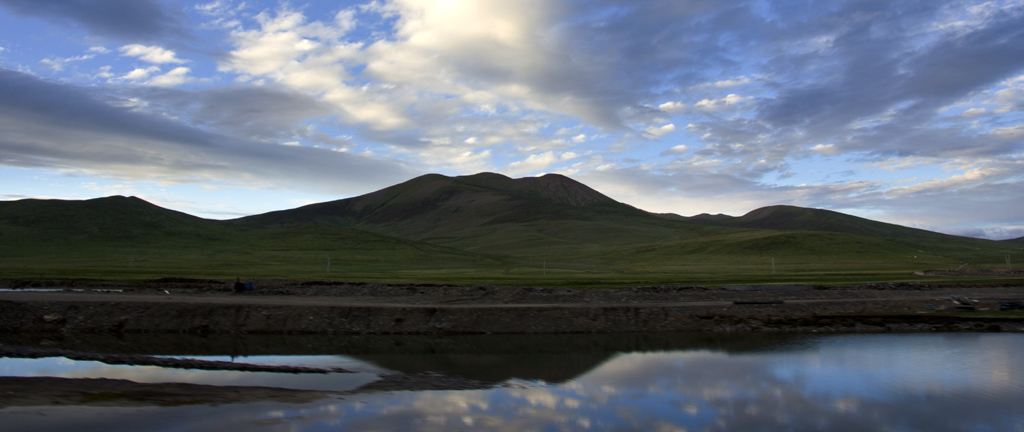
{"points": [[657, 382]]}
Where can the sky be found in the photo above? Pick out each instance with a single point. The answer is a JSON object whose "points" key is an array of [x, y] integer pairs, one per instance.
{"points": [[908, 112]]}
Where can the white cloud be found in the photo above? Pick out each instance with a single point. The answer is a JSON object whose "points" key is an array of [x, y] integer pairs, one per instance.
{"points": [[659, 131], [104, 72], [310, 57], [57, 64], [973, 112], [151, 54], [1009, 133], [579, 138], [532, 164], [212, 7], [676, 150], [732, 82], [176, 76], [825, 149], [139, 74], [672, 106], [731, 100]]}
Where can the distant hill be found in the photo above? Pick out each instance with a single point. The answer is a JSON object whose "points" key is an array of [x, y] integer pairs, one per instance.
{"points": [[792, 218], [479, 227], [435, 206], [103, 220]]}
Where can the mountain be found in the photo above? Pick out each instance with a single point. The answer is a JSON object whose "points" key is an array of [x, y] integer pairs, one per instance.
{"points": [[470, 228], [106, 220], [792, 218], [433, 202], [482, 213], [119, 231]]}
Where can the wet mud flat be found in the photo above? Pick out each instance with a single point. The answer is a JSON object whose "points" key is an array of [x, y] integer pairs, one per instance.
{"points": [[175, 305]]}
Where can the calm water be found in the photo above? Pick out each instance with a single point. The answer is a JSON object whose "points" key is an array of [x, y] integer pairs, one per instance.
{"points": [[926, 382]]}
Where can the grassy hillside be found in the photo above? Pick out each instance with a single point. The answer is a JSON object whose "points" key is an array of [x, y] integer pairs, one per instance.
{"points": [[111, 220], [791, 218], [129, 237], [487, 228]]}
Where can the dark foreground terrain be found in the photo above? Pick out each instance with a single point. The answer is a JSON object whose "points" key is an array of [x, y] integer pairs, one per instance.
{"points": [[277, 306], [206, 307]]}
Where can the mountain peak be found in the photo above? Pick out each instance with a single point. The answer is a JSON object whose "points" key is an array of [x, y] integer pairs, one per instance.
{"points": [[564, 190], [555, 188], [434, 203]]}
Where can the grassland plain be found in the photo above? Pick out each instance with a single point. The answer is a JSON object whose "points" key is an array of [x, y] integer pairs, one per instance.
{"points": [[486, 228]]}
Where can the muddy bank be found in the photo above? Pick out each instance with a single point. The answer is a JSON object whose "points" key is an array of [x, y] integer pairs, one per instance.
{"points": [[165, 362], [331, 307], [50, 391]]}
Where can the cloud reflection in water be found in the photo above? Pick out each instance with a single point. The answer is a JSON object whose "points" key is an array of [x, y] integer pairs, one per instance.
{"points": [[927, 382], [843, 383]]}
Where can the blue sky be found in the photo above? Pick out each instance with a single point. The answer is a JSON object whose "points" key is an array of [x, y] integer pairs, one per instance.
{"points": [[909, 112]]}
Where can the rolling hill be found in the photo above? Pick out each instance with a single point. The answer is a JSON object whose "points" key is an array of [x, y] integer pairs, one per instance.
{"points": [[792, 218], [436, 204], [483, 227], [109, 220], [489, 214]]}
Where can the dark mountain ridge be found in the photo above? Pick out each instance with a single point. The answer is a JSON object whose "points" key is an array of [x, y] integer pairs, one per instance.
{"points": [[433, 203], [433, 207], [111, 219], [792, 218], [479, 227]]}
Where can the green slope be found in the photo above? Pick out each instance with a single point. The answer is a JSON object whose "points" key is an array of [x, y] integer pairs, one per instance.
{"points": [[128, 236], [472, 210], [791, 218], [111, 220], [479, 228]]}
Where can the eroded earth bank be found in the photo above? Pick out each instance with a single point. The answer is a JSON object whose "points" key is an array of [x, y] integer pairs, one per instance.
{"points": [[176, 305]]}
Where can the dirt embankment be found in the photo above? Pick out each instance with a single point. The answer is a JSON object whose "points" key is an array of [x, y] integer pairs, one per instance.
{"points": [[336, 307], [972, 272], [333, 307]]}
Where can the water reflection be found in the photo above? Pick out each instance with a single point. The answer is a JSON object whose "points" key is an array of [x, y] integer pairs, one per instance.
{"points": [[63, 368], [969, 382], [486, 358]]}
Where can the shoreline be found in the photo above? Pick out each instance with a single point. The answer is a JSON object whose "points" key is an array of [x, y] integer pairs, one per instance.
{"points": [[332, 307]]}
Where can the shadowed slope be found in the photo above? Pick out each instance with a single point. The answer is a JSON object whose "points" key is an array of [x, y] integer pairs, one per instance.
{"points": [[791, 218], [482, 227], [106, 220], [434, 205], [129, 230]]}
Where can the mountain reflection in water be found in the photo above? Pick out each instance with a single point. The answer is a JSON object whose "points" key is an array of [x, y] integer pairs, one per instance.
{"points": [[914, 382]]}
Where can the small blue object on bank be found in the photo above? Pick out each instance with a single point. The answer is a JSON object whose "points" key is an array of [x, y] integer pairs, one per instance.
{"points": [[248, 286]]}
